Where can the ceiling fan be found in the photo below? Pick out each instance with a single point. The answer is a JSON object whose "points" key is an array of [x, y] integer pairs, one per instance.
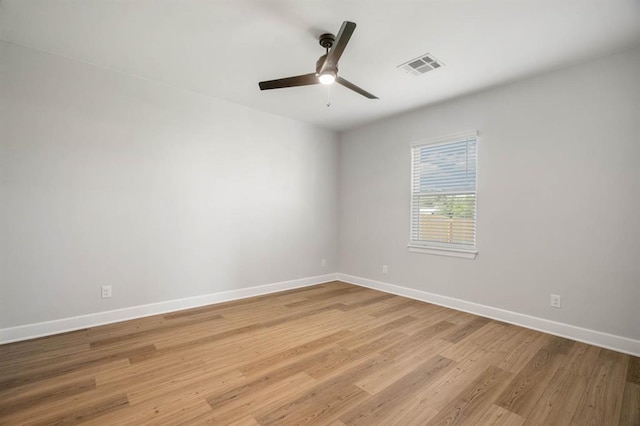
{"points": [[326, 66]]}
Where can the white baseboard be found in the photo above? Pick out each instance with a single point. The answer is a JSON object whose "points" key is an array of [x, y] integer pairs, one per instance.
{"points": [[47, 328], [592, 337]]}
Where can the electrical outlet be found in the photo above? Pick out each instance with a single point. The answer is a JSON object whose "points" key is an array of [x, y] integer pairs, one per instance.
{"points": [[385, 269], [556, 301], [106, 291], [324, 262]]}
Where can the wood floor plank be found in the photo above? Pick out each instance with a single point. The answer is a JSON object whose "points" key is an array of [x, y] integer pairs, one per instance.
{"points": [[466, 329], [517, 352], [27, 349], [292, 353], [366, 302], [274, 395], [560, 398], [527, 387], [191, 344], [405, 363], [459, 317], [414, 412], [336, 365], [56, 370], [633, 370], [426, 334], [582, 359], [331, 354], [73, 410], [602, 400], [326, 405], [444, 389], [22, 402], [272, 376], [162, 328], [630, 409], [328, 399], [376, 332], [48, 387], [401, 390], [176, 411], [82, 414], [482, 338], [427, 315], [396, 305], [381, 380], [26, 361], [245, 421], [336, 296], [505, 338], [498, 416], [191, 383], [469, 406]]}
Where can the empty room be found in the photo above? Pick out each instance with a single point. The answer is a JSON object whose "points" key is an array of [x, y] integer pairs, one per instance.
{"points": [[331, 212]]}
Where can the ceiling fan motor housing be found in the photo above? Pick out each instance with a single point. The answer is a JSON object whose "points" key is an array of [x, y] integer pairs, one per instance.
{"points": [[327, 40]]}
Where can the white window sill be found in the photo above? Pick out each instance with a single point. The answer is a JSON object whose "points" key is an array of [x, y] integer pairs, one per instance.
{"points": [[439, 251]]}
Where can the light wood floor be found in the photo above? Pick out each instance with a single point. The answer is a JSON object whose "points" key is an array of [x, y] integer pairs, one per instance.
{"points": [[331, 354]]}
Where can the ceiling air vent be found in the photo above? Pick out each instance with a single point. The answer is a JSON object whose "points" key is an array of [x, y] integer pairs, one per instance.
{"points": [[421, 65]]}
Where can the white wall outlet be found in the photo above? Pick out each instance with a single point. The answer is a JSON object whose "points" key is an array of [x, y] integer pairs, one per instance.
{"points": [[385, 269], [324, 262], [106, 291], [556, 301]]}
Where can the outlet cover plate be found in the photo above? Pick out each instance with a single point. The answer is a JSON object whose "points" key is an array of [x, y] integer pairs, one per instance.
{"points": [[106, 291]]}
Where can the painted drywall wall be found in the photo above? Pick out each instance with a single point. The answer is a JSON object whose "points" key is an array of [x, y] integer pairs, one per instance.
{"points": [[108, 179], [558, 197]]}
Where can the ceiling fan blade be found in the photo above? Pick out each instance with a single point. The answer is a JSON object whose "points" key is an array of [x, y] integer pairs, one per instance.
{"points": [[339, 45], [350, 85], [299, 80]]}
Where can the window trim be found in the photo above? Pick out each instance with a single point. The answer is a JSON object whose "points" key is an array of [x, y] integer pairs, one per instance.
{"points": [[434, 248], [442, 251]]}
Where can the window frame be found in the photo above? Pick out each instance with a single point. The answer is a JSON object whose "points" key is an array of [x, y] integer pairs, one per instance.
{"points": [[436, 248]]}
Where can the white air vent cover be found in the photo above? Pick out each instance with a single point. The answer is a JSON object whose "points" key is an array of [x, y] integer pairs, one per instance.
{"points": [[420, 65]]}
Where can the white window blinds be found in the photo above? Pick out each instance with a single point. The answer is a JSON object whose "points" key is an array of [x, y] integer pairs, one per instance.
{"points": [[443, 194]]}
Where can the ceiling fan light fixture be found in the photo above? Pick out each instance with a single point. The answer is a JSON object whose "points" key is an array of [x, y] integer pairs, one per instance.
{"points": [[328, 77]]}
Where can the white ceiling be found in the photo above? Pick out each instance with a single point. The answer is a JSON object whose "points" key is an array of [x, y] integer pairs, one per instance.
{"points": [[222, 48]]}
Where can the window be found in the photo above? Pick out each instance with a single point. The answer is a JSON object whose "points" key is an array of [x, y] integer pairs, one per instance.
{"points": [[443, 196]]}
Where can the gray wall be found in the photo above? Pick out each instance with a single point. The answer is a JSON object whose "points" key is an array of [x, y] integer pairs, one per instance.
{"points": [[558, 197], [165, 194], [161, 193]]}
